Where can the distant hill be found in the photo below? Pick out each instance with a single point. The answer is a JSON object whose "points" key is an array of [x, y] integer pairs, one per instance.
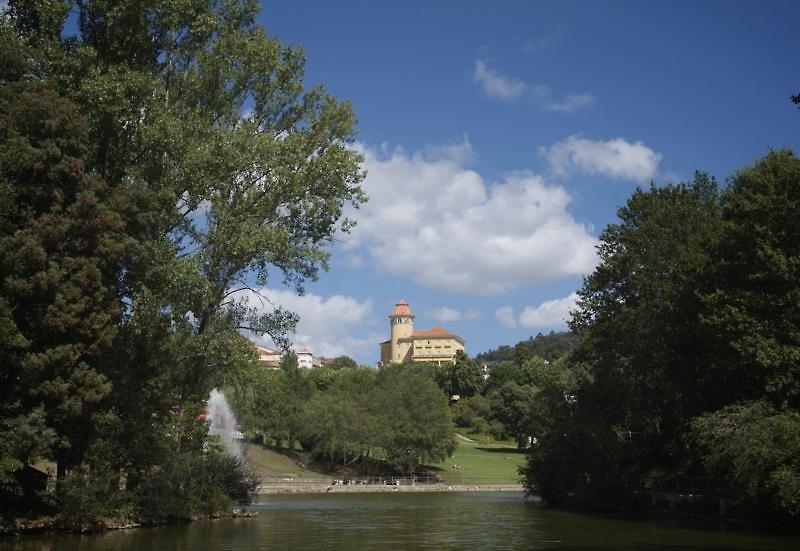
{"points": [[550, 347]]}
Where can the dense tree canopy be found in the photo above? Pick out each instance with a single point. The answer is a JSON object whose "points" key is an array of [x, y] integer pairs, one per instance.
{"points": [[157, 166], [548, 347], [688, 356]]}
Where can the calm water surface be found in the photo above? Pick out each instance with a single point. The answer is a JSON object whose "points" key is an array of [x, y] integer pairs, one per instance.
{"points": [[409, 521]]}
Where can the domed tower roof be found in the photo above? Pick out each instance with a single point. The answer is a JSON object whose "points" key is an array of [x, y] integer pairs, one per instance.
{"points": [[402, 309]]}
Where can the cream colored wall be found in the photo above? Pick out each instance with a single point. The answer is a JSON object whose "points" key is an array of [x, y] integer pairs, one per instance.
{"points": [[404, 349], [401, 328], [438, 349]]}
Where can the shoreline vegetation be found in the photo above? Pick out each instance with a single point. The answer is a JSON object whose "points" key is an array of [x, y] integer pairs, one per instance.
{"points": [[52, 524], [157, 163]]}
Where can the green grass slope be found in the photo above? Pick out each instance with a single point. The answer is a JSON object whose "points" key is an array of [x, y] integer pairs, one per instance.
{"points": [[270, 463], [478, 464]]}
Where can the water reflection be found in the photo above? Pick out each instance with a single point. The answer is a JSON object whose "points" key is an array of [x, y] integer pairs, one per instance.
{"points": [[410, 521]]}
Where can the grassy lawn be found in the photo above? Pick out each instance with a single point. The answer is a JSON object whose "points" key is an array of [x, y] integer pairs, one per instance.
{"points": [[273, 464], [482, 464]]}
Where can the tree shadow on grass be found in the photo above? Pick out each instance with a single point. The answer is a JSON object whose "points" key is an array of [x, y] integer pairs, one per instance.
{"points": [[501, 450]]}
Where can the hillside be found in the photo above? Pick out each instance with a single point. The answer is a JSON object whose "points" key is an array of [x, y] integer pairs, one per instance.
{"points": [[550, 347]]}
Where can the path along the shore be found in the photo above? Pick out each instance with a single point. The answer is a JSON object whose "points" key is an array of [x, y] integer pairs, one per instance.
{"points": [[321, 488]]}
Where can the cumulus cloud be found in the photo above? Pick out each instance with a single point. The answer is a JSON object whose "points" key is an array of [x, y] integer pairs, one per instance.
{"points": [[497, 85], [549, 314], [444, 314], [616, 158], [437, 221], [570, 103], [505, 315], [327, 325]]}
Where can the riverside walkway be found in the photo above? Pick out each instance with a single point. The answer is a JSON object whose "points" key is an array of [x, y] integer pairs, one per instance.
{"points": [[376, 484]]}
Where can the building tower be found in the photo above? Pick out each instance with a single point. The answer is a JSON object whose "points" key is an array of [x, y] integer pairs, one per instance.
{"points": [[401, 323]]}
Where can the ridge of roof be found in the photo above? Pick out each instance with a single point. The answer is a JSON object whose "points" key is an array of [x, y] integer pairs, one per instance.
{"points": [[437, 331], [402, 309]]}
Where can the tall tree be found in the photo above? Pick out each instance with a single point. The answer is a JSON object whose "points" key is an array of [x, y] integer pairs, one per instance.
{"points": [[639, 321], [231, 167], [60, 243], [221, 167], [463, 377], [415, 417], [754, 312]]}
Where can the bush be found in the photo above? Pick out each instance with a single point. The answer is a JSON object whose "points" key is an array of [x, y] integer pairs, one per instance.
{"points": [[757, 449], [192, 483]]}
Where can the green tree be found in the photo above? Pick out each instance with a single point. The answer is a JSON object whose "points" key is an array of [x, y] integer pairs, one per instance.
{"points": [[342, 362], [220, 168], [757, 449], [643, 345], [753, 311], [463, 377], [510, 406], [501, 373], [230, 168], [341, 425], [417, 422], [59, 246]]}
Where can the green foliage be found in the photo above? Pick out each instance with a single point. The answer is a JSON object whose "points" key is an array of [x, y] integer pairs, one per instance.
{"points": [[754, 311], [466, 411], [550, 347], [24, 437], [342, 362], [757, 449], [322, 377], [59, 247], [187, 483], [689, 350], [510, 405], [416, 417], [342, 424], [463, 378], [153, 168], [639, 321], [348, 417]]}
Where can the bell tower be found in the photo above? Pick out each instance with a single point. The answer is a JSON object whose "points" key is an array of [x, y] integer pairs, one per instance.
{"points": [[401, 323]]}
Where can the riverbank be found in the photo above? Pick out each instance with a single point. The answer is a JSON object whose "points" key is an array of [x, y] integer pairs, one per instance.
{"points": [[51, 524], [307, 487]]}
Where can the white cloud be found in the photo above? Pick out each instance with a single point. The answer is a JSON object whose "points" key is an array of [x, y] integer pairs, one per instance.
{"points": [[616, 158], [445, 314], [327, 325], [505, 316], [497, 85], [551, 314], [570, 103], [435, 220], [354, 261]]}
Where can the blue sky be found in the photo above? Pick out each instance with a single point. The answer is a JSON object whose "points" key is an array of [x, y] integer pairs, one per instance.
{"points": [[500, 138]]}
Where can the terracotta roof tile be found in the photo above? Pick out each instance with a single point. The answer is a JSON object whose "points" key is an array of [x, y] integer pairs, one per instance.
{"points": [[437, 331], [266, 350], [402, 309]]}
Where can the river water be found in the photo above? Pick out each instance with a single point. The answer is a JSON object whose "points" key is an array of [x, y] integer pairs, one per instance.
{"points": [[469, 520]]}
